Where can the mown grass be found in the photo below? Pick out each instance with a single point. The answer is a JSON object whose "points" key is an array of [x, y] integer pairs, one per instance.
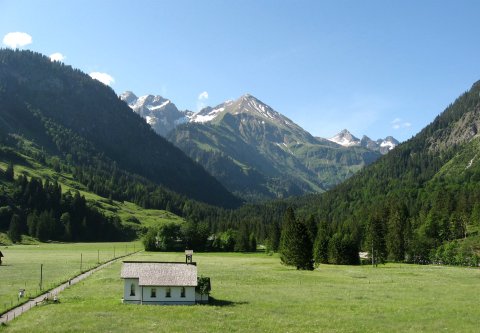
{"points": [[254, 293], [21, 265]]}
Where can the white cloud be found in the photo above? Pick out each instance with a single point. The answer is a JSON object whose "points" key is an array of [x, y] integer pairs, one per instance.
{"points": [[398, 123], [201, 99], [203, 95], [105, 78], [17, 39], [57, 57]]}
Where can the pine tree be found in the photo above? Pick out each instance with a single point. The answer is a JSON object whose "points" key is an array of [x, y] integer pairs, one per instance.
{"points": [[242, 241], [320, 249], [9, 173], [252, 243], [312, 228], [295, 245], [15, 230], [396, 236], [376, 238], [273, 241]]}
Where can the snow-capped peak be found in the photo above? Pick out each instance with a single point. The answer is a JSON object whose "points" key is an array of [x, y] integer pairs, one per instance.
{"points": [[159, 112], [346, 139], [389, 142]]}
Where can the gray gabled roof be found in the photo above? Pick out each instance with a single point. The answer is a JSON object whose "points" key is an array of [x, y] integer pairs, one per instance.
{"points": [[160, 273]]}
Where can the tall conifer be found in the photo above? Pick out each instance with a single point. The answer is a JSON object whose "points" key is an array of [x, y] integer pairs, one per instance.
{"points": [[295, 244]]}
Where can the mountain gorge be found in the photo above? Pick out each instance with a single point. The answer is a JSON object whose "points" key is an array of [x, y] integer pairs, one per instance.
{"points": [[256, 152]]}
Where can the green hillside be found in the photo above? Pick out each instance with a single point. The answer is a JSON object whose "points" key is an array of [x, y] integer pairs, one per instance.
{"points": [[419, 203], [79, 119], [127, 219]]}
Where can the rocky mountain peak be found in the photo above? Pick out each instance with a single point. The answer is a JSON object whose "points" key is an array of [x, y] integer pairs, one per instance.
{"points": [[128, 97], [346, 139], [159, 112]]}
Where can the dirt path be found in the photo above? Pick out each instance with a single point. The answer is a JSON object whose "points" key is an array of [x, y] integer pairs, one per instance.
{"points": [[17, 311]]}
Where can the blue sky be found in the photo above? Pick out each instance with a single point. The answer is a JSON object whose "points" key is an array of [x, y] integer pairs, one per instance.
{"points": [[375, 67]]}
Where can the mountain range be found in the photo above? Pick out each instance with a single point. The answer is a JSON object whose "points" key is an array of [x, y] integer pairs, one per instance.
{"points": [[255, 151], [347, 139]]}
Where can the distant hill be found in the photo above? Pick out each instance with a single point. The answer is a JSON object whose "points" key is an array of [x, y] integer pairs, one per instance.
{"points": [[83, 121]]}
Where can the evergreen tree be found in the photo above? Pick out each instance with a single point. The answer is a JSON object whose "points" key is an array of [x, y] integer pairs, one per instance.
{"points": [[252, 243], [9, 172], [66, 221], [15, 229], [273, 240], [295, 245], [312, 227], [375, 240], [320, 249], [396, 236], [242, 242]]}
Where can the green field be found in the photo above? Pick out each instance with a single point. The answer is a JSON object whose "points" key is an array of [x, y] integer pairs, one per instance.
{"points": [[21, 265], [255, 293]]}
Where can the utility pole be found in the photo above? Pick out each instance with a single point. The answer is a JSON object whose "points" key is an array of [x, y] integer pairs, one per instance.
{"points": [[41, 276]]}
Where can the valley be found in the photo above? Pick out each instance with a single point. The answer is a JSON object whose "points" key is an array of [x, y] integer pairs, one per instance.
{"points": [[256, 152], [240, 166]]}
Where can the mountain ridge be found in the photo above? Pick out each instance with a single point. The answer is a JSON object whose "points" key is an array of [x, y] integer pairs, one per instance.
{"points": [[347, 139], [31, 84], [248, 136]]}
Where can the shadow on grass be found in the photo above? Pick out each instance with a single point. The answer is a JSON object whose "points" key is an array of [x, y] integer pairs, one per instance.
{"points": [[221, 302]]}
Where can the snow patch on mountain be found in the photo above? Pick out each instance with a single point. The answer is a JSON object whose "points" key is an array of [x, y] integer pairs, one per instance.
{"points": [[160, 113], [206, 115], [346, 139]]}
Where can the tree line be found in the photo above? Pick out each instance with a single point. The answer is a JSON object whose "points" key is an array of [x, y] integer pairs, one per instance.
{"points": [[40, 209]]}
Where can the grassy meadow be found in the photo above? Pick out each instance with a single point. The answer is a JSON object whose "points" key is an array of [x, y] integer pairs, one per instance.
{"points": [[255, 293], [21, 265]]}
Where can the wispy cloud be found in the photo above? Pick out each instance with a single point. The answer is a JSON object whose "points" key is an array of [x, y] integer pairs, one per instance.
{"points": [[398, 123], [201, 100], [105, 78], [57, 57], [17, 39], [203, 96]]}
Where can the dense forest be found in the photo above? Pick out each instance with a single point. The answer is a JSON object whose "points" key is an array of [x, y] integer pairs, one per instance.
{"points": [[40, 209]]}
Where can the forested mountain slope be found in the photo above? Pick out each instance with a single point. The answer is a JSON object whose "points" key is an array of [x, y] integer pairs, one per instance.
{"points": [[83, 121], [418, 200]]}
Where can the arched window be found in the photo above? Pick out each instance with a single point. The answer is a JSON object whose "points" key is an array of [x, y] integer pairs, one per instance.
{"points": [[132, 289]]}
